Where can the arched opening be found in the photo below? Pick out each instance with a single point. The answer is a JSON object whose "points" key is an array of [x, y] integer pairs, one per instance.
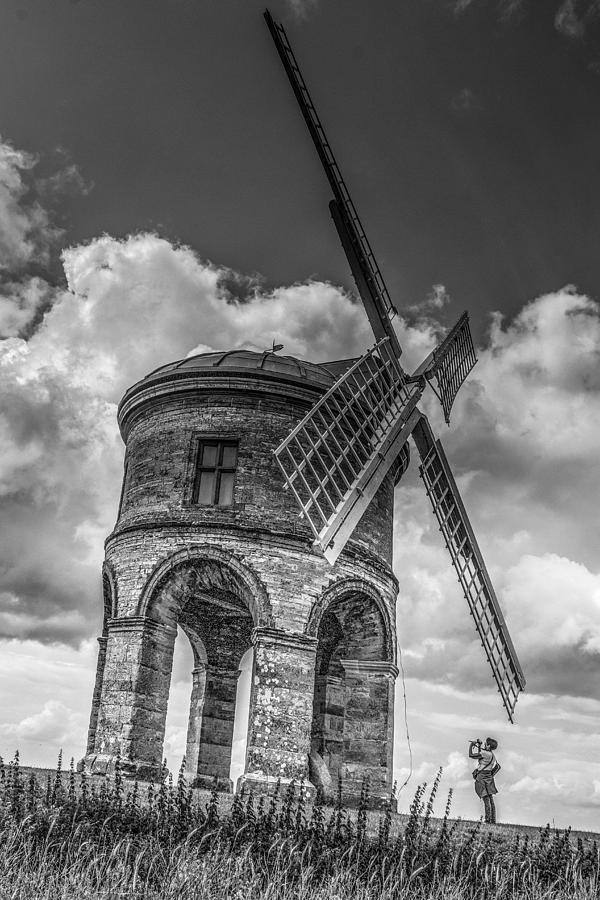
{"points": [[209, 603], [352, 722], [182, 702], [178, 710], [109, 610], [242, 711]]}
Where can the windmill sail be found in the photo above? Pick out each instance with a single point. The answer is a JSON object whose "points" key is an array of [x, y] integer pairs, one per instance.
{"points": [[369, 280], [469, 565], [336, 458], [452, 362]]}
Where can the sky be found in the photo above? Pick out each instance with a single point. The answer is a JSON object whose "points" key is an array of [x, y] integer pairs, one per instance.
{"points": [[159, 196]]}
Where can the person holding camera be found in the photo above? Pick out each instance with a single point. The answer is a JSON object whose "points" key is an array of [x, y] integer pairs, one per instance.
{"points": [[488, 766]]}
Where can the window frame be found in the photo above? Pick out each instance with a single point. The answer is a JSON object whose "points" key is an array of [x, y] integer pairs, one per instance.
{"points": [[200, 441]]}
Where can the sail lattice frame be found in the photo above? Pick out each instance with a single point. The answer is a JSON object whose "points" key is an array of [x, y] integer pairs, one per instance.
{"points": [[452, 362], [337, 456], [470, 566]]}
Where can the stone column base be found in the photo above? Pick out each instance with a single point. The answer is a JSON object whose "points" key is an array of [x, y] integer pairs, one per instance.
{"points": [[209, 783], [351, 800], [266, 784], [104, 764]]}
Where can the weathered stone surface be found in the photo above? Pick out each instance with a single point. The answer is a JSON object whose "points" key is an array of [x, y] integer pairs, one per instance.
{"points": [[236, 576]]}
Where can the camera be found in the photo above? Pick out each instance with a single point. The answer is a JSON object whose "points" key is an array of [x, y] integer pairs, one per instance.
{"points": [[477, 741]]}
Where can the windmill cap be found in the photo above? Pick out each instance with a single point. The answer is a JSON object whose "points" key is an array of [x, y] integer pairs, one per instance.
{"points": [[196, 372], [324, 374]]}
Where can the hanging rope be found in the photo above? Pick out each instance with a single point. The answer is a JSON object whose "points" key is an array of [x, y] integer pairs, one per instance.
{"points": [[410, 771]]}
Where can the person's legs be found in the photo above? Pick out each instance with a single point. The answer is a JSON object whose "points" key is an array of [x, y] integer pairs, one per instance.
{"points": [[488, 807]]}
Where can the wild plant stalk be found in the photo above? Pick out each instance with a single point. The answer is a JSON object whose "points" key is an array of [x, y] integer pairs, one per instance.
{"points": [[115, 842]]}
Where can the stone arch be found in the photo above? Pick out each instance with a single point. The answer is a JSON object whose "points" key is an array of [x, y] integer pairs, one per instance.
{"points": [[109, 611], [218, 602], [236, 573], [109, 594], [197, 645], [346, 588], [352, 724]]}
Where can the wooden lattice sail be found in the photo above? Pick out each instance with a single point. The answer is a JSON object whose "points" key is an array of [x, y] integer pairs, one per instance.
{"points": [[469, 565], [336, 458]]}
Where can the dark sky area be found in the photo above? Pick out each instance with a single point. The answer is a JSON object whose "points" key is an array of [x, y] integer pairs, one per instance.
{"points": [[470, 140]]}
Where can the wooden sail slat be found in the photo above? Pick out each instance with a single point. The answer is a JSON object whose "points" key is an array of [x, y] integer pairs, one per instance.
{"points": [[477, 588]]}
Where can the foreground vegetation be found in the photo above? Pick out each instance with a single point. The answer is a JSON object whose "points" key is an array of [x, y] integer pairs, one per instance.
{"points": [[68, 838]]}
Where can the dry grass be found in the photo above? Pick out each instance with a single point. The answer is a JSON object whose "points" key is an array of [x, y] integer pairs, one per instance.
{"points": [[67, 838]]}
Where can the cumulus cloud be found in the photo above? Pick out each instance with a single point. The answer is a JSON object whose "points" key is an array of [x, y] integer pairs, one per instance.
{"points": [[67, 181], [45, 693], [572, 18], [26, 232], [507, 9], [54, 722], [525, 430], [553, 743], [460, 6], [466, 101], [301, 7], [436, 299], [129, 305], [20, 303], [70, 352]]}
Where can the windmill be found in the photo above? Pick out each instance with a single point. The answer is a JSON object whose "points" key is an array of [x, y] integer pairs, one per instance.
{"points": [[336, 458]]}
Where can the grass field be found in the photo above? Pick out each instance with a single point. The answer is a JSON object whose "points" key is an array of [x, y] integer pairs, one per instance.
{"points": [[66, 836]]}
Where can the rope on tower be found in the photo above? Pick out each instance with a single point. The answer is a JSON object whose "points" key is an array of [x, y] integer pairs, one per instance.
{"points": [[410, 756]]}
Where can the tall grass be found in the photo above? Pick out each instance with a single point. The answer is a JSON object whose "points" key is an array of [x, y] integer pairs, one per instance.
{"points": [[70, 838]]}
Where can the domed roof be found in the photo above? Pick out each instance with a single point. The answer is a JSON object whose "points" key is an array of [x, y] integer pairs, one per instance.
{"points": [[240, 367], [249, 361]]}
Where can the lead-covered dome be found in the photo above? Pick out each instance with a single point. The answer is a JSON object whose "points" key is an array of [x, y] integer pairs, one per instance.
{"points": [[242, 368], [324, 374]]}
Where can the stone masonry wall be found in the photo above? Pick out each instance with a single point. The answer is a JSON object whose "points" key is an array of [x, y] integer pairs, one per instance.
{"points": [[261, 554]]}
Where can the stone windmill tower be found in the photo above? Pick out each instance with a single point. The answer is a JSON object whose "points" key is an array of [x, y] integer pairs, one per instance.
{"points": [[223, 450]]}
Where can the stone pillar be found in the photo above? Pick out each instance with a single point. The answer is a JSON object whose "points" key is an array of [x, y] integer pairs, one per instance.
{"points": [[281, 707], [102, 641], [216, 728], [195, 719], [328, 722], [133, 702], [368, 728]]}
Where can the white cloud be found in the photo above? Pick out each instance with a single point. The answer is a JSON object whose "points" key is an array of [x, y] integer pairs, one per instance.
{"points": [[554, 603], [54, 722], [466, 100], [436, 299], [131, 305], [525, 433], [571, 17], [25, 228], [301, 7], [554, 744], [569, 21], [45, 693], [20, 303], [65, 182]]}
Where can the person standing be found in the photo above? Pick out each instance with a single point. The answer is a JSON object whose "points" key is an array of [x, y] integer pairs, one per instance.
{"points": [[488, 766]]}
